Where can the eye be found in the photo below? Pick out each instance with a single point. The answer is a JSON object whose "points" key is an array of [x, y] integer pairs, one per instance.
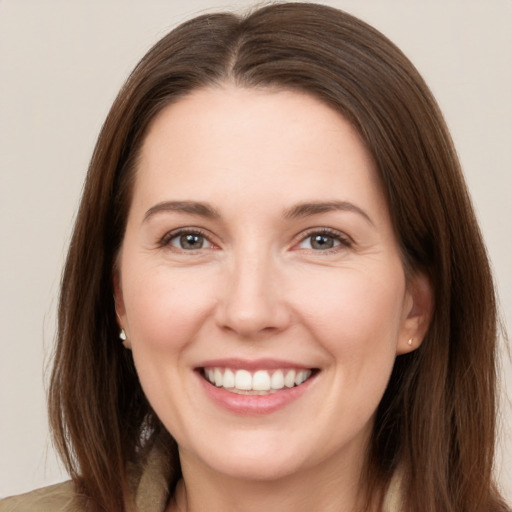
{"points": [[187, 240], [324, 240]]}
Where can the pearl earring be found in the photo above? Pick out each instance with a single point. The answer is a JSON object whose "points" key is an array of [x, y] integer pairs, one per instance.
{"points": [[122, 335], [410, 342]]}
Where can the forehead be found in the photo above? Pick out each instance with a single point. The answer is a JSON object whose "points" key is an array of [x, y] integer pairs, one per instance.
{"points": [[256, 113], [229, 139]]}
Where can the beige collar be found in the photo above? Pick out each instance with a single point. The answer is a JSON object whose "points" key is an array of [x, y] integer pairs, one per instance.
{"points": [[152, 491]]}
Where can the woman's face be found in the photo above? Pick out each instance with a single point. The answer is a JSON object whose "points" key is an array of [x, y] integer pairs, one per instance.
{"points": [[259, 253]]}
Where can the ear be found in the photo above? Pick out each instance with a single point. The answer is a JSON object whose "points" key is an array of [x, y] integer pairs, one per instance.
{"points": [[120, 307], [418, 309]]}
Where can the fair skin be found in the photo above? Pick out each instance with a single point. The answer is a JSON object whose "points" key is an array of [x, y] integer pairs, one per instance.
{"points": [[259, 241]]}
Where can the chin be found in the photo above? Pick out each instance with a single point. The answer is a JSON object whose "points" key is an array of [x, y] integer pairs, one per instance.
{"points": [[254, 468], [254, 458]]}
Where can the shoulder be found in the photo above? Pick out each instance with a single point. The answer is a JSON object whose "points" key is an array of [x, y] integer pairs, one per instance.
{"points": [[55, 498]]}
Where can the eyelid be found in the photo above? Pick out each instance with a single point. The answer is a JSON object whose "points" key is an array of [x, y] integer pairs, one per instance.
{"points": [[344, 240], [165, 241]]}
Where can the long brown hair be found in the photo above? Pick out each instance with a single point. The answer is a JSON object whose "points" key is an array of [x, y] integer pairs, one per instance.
{"points": [[436, 421]]}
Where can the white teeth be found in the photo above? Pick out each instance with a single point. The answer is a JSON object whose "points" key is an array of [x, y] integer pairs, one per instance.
{"points": [[289, 380], [302, 376], [229, 379], [260, 383], [243, 380], [277, 381]]}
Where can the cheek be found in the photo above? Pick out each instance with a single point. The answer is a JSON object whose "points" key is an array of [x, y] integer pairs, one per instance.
{"points": [[165, 308], [357, 314]]}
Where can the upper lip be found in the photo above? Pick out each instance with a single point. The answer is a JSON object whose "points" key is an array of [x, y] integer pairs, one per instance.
{"points": [[252, 364]]}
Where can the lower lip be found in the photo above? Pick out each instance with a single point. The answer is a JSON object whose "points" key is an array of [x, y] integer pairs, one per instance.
{"points": [[254, 405]]}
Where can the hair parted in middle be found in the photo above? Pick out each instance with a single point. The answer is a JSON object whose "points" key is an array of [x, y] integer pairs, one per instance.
{"points": [[427, 423]]}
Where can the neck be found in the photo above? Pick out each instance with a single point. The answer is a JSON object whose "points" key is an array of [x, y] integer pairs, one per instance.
{"points": [[322, 489]]}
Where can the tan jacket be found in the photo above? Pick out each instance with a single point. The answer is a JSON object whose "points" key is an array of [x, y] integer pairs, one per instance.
{"points": [[151, 493]]}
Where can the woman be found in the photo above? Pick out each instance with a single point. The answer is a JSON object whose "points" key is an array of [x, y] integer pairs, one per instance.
{"points": [[275, 225]]}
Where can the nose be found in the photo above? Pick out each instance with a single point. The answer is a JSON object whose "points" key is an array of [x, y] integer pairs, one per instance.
{"points": [[253, 301]]}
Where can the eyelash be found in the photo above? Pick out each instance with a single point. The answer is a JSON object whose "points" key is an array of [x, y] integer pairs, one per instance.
{"points": [[168, 237], [343, 240]]}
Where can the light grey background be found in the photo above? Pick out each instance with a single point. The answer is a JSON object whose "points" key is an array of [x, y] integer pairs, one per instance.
{"points": [[61, 64]]}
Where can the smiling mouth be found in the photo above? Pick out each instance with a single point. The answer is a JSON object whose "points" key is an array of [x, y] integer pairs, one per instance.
{"points": [[260, 382]]}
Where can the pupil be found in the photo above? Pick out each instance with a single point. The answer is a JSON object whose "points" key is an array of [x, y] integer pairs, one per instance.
{"points": [[191, 241], [322, 242]]}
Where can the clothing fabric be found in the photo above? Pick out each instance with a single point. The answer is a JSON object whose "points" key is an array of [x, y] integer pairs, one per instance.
{"points": [[150, 490], [151, 493]]}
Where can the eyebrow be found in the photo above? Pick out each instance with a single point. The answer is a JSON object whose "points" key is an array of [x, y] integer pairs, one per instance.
{"points": [[316, 208], [300, 210], [190, 207]]}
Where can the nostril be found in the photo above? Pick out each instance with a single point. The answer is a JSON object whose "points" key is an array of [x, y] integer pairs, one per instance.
{"points": [[252, 303], [252, 320]]}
